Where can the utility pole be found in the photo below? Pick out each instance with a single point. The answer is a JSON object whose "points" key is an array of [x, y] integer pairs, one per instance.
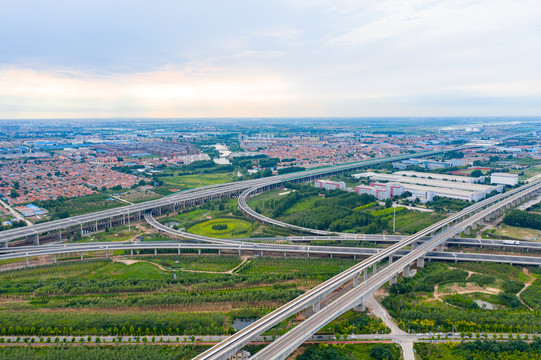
{"points": [[394, 218]]}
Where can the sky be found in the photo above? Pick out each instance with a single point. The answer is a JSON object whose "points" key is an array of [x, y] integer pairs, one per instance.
{"points": [[306, 58]]}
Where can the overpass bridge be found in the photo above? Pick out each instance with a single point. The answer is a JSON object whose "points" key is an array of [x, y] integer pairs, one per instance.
{"points": [[439, 233], [124, 215]]}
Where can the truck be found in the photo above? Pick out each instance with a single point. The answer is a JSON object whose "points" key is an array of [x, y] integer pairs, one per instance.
{"points": [[511, 242]]}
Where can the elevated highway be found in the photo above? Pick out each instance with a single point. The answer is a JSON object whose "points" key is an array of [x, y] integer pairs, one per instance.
{"points": [[464, 220], [88, 223], [256, 249]]}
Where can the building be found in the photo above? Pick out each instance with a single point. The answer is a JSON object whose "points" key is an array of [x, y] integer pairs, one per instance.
{"points": [[330, 185], [424, 196], [504, 179], [446, 177], [393, 189], [450, 189], [379, 193]]}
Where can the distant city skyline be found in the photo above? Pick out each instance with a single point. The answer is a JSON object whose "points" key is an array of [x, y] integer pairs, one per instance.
{"points": [[65, 59]]}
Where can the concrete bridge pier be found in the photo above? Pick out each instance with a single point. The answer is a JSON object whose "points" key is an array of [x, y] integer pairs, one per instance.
{"points": [[4, 244], [316, 307], [466, 231], [406, 272], [414, 245], [155, 252], [421, 262], [393, 280], [374, 269], [27, 261], [365, 274], [54, 257], [81, 256], [199, 252], [131, 252], [440, 247], [390, 260]]}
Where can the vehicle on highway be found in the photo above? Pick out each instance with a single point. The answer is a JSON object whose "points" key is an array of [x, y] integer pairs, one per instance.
{"points": [[511, 242]]}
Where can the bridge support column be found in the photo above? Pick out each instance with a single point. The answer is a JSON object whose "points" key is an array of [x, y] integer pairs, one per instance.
{"points": [[82, 230], [407, 271], [466, 231], [107, 253], [178, 251], [360, 307], [4, 244], [110, 222], [155, 252], [390, 260], [36, 239], [354, 257], [59, 234], [356, 280], [261, 253], [96, 226], [365, 274], [414, 245], [440, 247], [81, 256], [54, 257], [316, 307], [374, 269], [393, 280], [219, 252], [240, 252], [199, 252], [131, 252], [421, 262]]}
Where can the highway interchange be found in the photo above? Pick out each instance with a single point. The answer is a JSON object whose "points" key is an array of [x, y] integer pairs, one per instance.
{"points": [[382, 265]]}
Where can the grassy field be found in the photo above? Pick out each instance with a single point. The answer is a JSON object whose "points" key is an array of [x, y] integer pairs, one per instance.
{"points": [[147, 352], [197, 180], [194, 219], [234, 228], [512, 232], [411, 222], [199, 263]]}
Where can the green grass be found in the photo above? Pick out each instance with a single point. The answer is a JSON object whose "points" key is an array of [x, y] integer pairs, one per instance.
{"points": [[118, 233], [512, 232], [198, 263], [411, 222], [197, 180], [235, 228], [304, 204], [147, 352]]}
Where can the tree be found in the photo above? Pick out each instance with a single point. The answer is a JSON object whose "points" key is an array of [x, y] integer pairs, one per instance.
{"points": [[380, 352], [388, 203], [476, 173]]}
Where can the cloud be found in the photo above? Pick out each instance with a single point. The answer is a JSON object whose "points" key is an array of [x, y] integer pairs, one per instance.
{"points": [[258, 58]]}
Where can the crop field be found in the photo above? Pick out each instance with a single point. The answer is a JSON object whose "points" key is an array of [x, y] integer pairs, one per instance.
{"points": [[351, 351], [222, 228], [80, 205]]}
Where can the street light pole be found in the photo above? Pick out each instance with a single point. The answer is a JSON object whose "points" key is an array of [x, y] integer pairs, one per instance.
{"points": [[394, 218]]}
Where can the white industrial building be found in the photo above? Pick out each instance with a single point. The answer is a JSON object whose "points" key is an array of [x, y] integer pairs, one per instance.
{"points": [[450, 189], [380, 191], [424, 196], [504, 179], [447, 177], [330, 185]]}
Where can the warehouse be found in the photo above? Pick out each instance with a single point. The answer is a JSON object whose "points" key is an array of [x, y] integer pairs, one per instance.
{"points": [[504, 179], [450, 189], [447, 177]]}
